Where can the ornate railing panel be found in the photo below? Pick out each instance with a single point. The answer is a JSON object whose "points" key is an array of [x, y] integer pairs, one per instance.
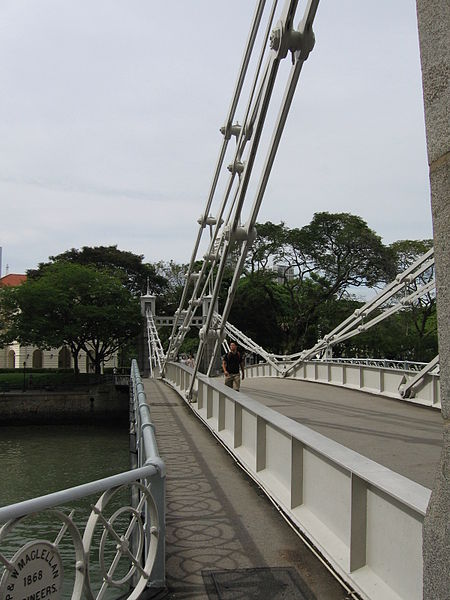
{"points": [[110, 547]]}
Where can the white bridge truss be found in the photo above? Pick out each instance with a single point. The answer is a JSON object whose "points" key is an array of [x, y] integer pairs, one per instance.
{"points": [[230, 232], [155, 349], [402, 292], [406, 289], [230, 219]]}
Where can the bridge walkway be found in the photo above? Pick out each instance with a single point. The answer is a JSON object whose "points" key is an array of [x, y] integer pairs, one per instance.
{"points": [[404, 437], [222, 534]]}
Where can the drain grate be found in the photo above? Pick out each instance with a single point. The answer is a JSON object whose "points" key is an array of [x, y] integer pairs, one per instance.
{"points": [[264, 583]]}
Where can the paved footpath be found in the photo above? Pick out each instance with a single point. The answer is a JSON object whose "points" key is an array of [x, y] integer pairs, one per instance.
{"points": [[224, 539], [402, 436]]}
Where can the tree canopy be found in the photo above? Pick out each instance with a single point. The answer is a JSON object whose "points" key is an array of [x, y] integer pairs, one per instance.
{"points": [[129, 267], [298, 284], [317, 269]]}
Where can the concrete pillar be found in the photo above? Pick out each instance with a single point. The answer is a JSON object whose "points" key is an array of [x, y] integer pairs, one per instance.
{"points": [[434, 38]]}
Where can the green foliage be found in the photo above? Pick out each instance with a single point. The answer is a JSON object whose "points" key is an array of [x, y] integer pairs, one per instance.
{"points": [[190, 343], [395, 338], [128, 267], [260, 309], [318, 268], [422, 314], [175, 277], [406, 252], [267, 246], [339, 251]]}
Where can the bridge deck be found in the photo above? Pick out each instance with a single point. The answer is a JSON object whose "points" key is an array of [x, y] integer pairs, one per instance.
{"points": [[218, 520], [404, 437]]}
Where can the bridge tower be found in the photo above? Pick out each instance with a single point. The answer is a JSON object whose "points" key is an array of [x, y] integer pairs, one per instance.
{"points": [[147, 301]]}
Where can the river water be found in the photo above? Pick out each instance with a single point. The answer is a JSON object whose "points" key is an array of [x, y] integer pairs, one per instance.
{"points": [[37, 460]]}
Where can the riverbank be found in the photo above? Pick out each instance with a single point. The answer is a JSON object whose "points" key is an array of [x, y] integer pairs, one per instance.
{"points": [[97, 403]]}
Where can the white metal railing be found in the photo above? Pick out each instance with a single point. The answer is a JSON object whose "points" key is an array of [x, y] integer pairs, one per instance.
{"points": [[365, 519], [118, 550], [373, 378], [386, 363]]}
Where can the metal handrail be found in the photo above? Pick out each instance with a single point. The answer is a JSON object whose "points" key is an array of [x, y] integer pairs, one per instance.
{"points": [[35, 505], [142, 543], [404, 365]]}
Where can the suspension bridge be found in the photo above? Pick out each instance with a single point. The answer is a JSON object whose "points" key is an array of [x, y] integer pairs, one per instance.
{"points": [[311, 482]]}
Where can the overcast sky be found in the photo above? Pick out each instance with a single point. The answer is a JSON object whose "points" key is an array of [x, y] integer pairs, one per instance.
{"points": [[110, 114]]}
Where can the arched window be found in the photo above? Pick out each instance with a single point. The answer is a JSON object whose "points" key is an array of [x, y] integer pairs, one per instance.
{"points": [[64, 358], [11, 359], [37, 359]]}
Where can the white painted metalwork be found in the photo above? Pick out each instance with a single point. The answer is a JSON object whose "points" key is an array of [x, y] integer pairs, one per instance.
{"points": [[231, 235], [383, 305], [365, 519], [167, 321], [423, 387], [395, 379], [156, 354], [132, 532], [385, 363], [409, 389], [248, 344], [280, 361], [227, 231]]}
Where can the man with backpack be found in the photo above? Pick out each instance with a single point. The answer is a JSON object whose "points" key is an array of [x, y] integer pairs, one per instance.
{"points": [[232, 363]]}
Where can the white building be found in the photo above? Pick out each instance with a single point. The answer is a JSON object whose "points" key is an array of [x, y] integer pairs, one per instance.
{"points": [[283, 273]]}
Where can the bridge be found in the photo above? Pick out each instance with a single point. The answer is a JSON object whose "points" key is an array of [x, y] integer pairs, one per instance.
{"points": [[315, 480]]}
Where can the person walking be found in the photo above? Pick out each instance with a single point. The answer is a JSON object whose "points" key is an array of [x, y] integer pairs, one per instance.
{"points": [[232, 363]]}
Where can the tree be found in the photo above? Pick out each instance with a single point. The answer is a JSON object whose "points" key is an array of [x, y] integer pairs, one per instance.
{"points": [[267, 247], [406, 252], [74, 305], [342, 251], [260, 310], [174, 274], [422, 313], [329, 257], [129, 267]]}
